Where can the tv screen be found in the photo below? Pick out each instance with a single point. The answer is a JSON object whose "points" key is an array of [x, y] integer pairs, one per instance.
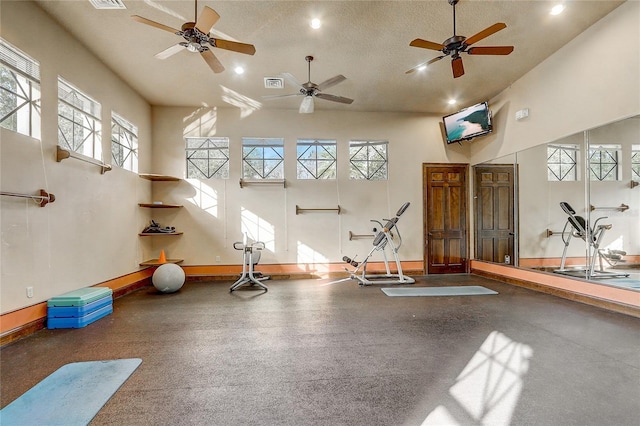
{"points": [[468, 123]]}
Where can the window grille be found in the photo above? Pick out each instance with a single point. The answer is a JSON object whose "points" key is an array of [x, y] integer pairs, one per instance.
{"points": [[79, 124], [262, 158], [19, 91], [207, 158], [635, 161], [603, 162], [124, 143], [368, 160], [562, 165], [316, 159]]}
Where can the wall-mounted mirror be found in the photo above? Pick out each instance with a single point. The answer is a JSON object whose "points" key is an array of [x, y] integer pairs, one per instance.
{"points": [[572, 208]]}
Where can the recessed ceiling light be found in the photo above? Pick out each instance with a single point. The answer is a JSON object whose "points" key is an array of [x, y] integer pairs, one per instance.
{"points": [[239, 70], [452, 101], [557, 9], [315, 23]]}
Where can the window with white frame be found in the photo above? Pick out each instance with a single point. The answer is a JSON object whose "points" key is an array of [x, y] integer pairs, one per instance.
{"points": [[603, 162], [207, 158], [124, 143], [562, 163], [19, 91], [368, 160], [79, 123], [316, 159], [635, 161], [262, 158]]}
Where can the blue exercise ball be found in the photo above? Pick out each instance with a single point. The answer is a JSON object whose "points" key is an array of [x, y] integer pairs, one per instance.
{"points": [[168, 278]]}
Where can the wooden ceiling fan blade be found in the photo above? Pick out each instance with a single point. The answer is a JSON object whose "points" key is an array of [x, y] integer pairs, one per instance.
{"points": [[457, 67], [426, 44], [334, 98], [485, 33], [154, 23], [212, 61], [207, 19], [170, 51], [490, 50], [247, 49], [331, 82], [425, 64]]}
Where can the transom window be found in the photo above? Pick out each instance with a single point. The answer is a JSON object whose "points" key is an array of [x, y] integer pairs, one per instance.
{"points": [[603, 162], [562, 165], [368, 160], [263, 158], [79, 124], [124, 143], [635, 161], [316, 159], [207, 158], [19, 91]]}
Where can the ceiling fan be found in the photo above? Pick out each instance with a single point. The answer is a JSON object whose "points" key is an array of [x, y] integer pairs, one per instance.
{"points": [[458, 44], [310, 90], [196, 36]]}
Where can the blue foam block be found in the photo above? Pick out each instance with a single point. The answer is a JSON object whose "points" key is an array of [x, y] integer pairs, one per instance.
{"points": [[77, 311], [79, 322], [80, 297]]}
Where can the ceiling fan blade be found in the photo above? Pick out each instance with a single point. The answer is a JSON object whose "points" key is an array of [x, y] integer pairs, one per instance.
{"points": [[426, 44], [331, 82], [306, 107], [207, 19], [212, 61], [247, 49], [456, 66], [170, 51], [154, 24], [281, 96], [490, 50], [334, 98], [485, 33], [291, 79], [425, 64]]}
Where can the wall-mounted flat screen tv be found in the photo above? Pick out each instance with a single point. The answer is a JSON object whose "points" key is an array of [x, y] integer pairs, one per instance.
{"points": [[468, 123]]}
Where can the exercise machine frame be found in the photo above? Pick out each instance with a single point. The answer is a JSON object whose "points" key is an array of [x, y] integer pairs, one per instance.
{"points": [[250, 258]]}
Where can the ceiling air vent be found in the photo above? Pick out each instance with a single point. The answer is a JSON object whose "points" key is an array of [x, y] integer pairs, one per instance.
{"points": [[273, 83], [108, 4]]}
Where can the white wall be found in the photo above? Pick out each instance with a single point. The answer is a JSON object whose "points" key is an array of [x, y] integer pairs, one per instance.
{"points": [[212, 226], [89, 234]]}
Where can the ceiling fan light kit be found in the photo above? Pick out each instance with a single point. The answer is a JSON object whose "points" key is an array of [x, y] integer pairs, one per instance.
{"points": [[458, 44]]}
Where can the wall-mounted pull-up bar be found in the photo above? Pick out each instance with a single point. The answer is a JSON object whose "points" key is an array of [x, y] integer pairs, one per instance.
{"points": [[62, 154], [301, 210], [244, 182], [353, 236], [620, 208], [43, 198]]}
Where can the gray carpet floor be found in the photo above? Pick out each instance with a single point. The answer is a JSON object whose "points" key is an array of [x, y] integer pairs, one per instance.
{"points": [[307, 353]]}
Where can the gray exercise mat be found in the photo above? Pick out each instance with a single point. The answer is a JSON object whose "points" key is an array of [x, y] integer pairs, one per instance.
{"points": [[472, 290]]}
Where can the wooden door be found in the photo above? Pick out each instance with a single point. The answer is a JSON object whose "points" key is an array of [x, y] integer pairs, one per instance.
{"points": [[494, 203], [446, 219]]}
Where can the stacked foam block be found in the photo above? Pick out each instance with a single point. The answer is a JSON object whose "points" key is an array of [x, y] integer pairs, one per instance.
{"points": [[79, 308]]}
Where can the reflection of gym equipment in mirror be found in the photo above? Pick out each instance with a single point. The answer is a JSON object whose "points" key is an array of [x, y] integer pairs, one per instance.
{"points": [[383, 240], [250, 258], [577, 226]]}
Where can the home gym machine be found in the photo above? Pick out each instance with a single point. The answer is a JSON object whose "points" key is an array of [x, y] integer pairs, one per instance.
{"points": [[384, 239], [577, 226], [250, 257]]}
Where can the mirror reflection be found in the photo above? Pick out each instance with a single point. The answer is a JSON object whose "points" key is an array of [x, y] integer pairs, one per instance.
{"points": [[570, 207]]}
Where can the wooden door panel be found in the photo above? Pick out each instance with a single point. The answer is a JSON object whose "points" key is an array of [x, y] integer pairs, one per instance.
{"points": [[445, 218]]}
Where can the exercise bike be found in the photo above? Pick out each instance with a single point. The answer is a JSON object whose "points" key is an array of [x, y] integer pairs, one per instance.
{"points": [[577, 226], [250, 257], [383, 240]]}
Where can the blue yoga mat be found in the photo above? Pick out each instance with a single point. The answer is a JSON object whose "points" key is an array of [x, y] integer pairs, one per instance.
{"points": [[470, 290], [71, 395]]}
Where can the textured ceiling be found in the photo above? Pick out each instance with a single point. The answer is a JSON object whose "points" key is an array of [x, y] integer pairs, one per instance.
{"points": [[366, 41]]}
